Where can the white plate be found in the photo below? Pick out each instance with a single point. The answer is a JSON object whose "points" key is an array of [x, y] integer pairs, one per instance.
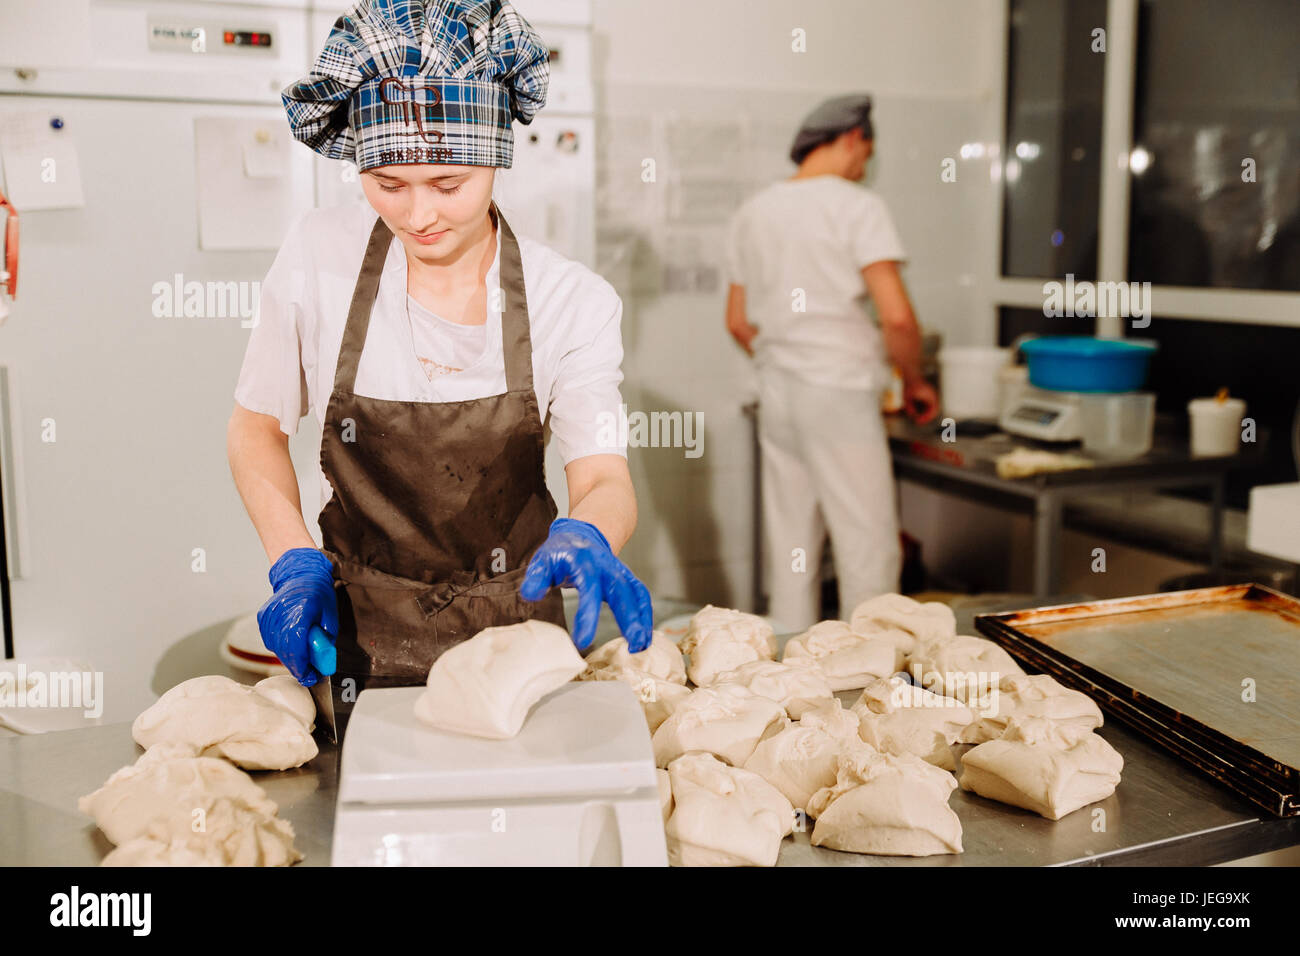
{"points": [[242, 649], [41, 720]]}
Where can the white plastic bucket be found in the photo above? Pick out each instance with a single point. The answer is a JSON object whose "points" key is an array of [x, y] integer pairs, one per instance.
{"points": [[969, 380]]}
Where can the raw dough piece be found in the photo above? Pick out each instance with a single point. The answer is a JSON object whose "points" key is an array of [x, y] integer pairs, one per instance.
{"points": [[665, 784], [219, 717], [149, 810], [897, 718], [886, 804], [848, 660], [1035, 766], [1034, 695], [720, 639], [284, 689], [798, 761], [1023, 462], [797, 685], [891, 613], [727, 720], [963, 667], [832, 718], [486, 686], [724, 816], [662, 660], [165, 775], [658, 697], [234, 834]]}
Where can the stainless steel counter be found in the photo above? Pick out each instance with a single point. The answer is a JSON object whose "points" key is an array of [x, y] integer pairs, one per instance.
{"points": [[1162, 814]]}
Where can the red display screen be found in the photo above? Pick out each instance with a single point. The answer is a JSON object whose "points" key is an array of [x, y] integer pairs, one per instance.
{"points": [[246, 38]]}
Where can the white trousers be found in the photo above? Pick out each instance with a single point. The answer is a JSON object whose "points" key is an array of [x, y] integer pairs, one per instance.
{"points": [[825, 467]]}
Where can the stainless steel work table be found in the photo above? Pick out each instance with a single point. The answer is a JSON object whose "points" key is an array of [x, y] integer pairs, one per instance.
{"points": [[1162, 814], [966, 466]]}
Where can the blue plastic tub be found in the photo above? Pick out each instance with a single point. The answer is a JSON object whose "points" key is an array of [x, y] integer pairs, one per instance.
{"points": [[1075, 363]]}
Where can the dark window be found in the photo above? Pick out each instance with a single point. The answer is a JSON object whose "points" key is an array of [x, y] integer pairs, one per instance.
{"points": [[1217, 105], [1051, 160]]}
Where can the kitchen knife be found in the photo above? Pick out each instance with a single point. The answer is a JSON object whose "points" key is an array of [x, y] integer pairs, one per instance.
{"points": [[324, 658]]}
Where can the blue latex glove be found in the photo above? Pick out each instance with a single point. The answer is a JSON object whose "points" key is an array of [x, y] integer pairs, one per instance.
{"points": [[301, 619], [576, 555]]}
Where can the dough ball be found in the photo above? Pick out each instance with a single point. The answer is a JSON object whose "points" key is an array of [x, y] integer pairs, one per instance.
{"points": [[966, 668], [158, 782], [284, 689], [720, 639], [219, 717], [727, 720], [665, 784], [658, 697], [233, 834], [662, 660], [1033, 695], [897, 718], [895, 612], [150, 810], [887, 805], [486, 686], [798, 761], [1036, 766], [724, 816], [849, 660], [797, 685], [831, 717]]}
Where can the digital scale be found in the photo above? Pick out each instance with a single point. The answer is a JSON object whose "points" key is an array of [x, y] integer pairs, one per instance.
{"points": [[1043, 414], [576, 787]]}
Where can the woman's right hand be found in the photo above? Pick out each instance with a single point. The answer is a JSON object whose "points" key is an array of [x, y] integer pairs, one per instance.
{"points": [[303, 582]]}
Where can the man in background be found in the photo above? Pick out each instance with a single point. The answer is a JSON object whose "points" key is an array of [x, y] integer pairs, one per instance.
{"points": [[804, 256]]}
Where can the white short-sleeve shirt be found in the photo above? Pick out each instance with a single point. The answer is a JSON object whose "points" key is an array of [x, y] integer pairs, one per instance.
{"points": [[803, 243], [292, 353]]}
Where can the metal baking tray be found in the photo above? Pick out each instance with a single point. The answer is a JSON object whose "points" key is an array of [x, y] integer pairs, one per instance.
{"points": [[1178, 667]]}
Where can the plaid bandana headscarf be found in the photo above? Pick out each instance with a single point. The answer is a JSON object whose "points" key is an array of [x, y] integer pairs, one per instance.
{"points": [[421, 81]]}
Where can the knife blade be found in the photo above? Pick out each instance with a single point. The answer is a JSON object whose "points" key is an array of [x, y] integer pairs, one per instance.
{"points": [[324, 658]]}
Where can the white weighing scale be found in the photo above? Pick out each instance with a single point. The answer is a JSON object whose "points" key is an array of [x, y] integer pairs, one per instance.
{"points": [[1043, 414], [576, 787]]}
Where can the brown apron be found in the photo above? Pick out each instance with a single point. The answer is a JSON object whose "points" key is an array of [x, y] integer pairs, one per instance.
{"points": [[437, 506]]}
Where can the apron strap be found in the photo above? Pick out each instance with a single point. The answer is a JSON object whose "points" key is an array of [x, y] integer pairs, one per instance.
{"points": [[363, 300], [515, 339]]}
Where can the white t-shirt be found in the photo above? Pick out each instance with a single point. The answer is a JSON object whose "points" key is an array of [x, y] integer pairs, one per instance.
{"points": [[442, 346], [293, 350], [813, 234]]}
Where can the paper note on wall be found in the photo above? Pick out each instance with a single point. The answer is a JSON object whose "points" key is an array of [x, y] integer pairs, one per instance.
{"points": [[244, 190], [39, 154]]}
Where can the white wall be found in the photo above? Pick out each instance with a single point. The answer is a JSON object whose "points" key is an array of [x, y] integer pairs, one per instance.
{"points": [[713, 93]]}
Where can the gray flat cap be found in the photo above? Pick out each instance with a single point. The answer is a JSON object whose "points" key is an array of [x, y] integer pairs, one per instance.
{"points": [[833, 117]]}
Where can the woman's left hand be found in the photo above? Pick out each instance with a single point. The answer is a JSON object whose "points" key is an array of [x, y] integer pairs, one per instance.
{"points": [[577, 555]]}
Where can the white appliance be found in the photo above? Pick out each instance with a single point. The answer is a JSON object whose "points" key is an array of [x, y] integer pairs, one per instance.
{"points": [[1273, 521], [1043, 414], [145, 147], [558, 794]]}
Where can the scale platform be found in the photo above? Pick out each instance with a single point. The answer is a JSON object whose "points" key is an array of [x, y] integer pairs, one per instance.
{"points": [[575, 787], [1045, 415]]}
